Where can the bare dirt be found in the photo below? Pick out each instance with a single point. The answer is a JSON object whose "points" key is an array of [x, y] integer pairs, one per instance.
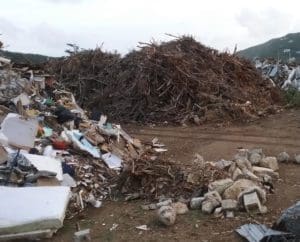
{"points": [[274, 134]]}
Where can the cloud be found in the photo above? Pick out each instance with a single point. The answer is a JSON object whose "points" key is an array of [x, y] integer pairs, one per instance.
{"points": [[264, 23]]}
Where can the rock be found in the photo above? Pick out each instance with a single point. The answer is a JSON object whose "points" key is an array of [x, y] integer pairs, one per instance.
{"points": [[229, 205], [229, 214], [237, 187], [260, 192], [243, 163], [209, 205], [261, 171], [82, 235], [164, 203], [297, 159], [218, 212], [249, 175], [220, 185], [241, 153], [196, 202], [221, 164], [213, 195], [167, 215], [237, 174], [255, 158], [180, 208], [269, 162], [257, 151], [283, 157], [199, 160], [252, 203]]}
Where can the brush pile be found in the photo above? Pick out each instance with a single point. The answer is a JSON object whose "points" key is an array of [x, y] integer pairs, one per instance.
{"points": [[175, 81]]}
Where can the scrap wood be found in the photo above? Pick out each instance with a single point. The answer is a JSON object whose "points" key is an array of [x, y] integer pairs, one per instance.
{"points": [[172, 81]]}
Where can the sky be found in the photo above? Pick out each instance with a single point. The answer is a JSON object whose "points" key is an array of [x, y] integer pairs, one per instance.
{"points": [[45, 26]]}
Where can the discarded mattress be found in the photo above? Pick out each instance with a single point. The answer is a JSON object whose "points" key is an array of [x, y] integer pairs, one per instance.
{"points": [[31, 209]]}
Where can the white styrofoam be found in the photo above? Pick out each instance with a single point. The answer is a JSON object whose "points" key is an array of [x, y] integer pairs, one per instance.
{"points": [[46, 163], [19, 132], [27, 209]]}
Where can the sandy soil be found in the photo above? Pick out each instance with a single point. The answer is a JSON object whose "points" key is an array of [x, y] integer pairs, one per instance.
{"points": [[274, 134]]}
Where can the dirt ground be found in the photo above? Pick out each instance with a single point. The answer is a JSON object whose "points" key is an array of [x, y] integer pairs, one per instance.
{"points": [[274, 134]]}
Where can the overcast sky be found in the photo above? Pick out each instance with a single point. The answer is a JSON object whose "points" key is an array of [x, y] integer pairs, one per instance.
{"points": [[45, 26]]}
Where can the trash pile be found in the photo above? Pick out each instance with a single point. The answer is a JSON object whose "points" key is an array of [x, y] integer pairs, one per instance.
{"points": [[177, 81], [242, 186], [283, 75], [54, 160]]}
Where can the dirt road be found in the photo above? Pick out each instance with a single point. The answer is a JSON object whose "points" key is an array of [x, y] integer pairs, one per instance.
{"points": [[274, 134]]}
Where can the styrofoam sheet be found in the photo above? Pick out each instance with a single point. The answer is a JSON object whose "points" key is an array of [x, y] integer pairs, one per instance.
{"points": [[19, 132], [27, 209], [46, 163]]}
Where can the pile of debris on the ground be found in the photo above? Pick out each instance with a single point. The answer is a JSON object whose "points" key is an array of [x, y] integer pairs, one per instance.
{"points": [[283, 75], [240, 184], [177, 81], [54, 159]]}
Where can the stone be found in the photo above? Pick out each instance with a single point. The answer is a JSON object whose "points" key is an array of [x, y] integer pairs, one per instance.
{"points": [[237, 174], [218, 212], [229, 205], [269, 162], [260, 192], [82, 235], [297, 159], [164, 203], [237, 187], [167, 215], [214, 195], [283, 157], [229, 214], [180, 208], [220, 185], [209, 205], [243, 163], [196, 202], [249, 175], [221, 164], [252, 202], [261, 171], [255, 158], [199, 160]]}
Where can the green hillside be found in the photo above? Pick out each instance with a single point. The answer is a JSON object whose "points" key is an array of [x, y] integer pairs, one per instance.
{"points": [[275, 48], [24, 58]]}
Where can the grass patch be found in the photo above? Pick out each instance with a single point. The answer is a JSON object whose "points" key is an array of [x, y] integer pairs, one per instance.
{"points": [[292, 97]]}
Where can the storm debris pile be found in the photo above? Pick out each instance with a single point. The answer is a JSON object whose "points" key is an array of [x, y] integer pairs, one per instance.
{"points": [[176, 81]]}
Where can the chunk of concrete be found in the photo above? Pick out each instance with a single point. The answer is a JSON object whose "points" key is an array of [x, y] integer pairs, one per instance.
{"points": [[255, 158], [220, 185], [237, 174], [297, 159], [229, 205], [237, 187], [196, 202], [167, 215], [261, 171], [82, 235], [283, 157], [180, 208], [260, 192], [269, 162], [252, 203], [213, 195], [209, 205], [243, 163]]}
